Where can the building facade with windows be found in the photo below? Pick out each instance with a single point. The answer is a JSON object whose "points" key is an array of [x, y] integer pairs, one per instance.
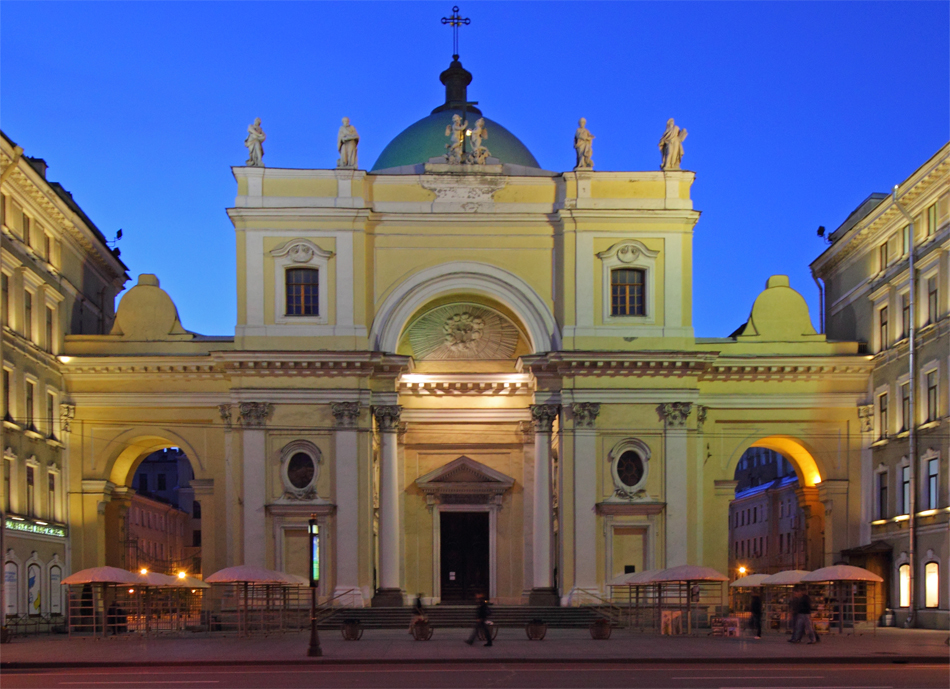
{"points": [[866, 272], [57, 276], [478, 378]]}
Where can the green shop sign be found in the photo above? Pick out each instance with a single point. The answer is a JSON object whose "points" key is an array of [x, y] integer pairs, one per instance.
{"points": [[32, 527]]}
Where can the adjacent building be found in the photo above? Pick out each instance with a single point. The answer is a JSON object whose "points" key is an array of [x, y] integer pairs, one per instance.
{"points": [[57, 276], [872, 297]]}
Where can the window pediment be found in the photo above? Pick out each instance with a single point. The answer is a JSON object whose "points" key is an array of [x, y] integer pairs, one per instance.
{"points": [[300, 251], [465, 476], [627, 252]]}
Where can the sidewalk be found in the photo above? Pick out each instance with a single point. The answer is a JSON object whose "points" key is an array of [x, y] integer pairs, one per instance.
{"points": [[389, 646]]}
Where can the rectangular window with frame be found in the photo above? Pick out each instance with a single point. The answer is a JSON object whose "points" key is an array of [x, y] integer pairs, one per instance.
{"points": [[882, 413], [905, 490], [882, 326], [627, 292], [28, 230], [932, 220], [30, 397], [905, 315], [905, 240], [49, 329], [882, 495], [905, 406], [933, 484], [303, 288], [50, 410], [931, 380], [28, 314], [30, 491], [932, 299], [51, 496], [3, 209], [7, 411], [5, 297], [882, 256]]}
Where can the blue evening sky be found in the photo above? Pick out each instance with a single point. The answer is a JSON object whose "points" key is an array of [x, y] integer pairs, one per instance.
{"points": [[795, 111]]}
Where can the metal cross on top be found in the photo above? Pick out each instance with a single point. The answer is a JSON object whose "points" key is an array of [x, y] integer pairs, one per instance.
{"points": [[456, 21]]}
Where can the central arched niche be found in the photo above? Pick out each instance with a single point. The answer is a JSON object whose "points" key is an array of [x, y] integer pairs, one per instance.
{"points": [[456, 328]]}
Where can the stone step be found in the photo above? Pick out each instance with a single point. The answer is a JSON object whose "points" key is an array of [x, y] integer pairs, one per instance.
{"points": [[464, 616]]}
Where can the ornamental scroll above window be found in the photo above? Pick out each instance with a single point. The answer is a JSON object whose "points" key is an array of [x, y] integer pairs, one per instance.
{"points": [[299, 470], [629, 277], [629, 468], [300, 283]]}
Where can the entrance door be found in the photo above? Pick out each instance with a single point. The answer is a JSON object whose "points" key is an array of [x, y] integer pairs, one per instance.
{"points": [[464, 555]]}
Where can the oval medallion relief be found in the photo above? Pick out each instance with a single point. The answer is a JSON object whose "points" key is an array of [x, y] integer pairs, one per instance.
{"points": [[463, 331]]}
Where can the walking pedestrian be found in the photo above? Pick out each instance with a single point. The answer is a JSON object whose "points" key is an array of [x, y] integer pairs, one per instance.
{"points": [[756, 609], [808, 629], [481, 621], [794, 609]]}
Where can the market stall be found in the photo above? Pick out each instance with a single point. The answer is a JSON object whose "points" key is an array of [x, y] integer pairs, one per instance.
{"points": [[247, 599], [697, 591], [93, 594], [778, 594], [847, 595]]}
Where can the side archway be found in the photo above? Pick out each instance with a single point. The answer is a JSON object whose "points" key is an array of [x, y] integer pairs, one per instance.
{"points": [[128, 449], [802, 459], [464, 277]]}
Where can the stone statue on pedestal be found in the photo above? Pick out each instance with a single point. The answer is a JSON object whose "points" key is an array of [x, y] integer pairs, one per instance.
{"points": [[479, 153], [584, 145], [456, 147], [255, 144], [671, 146], [347, 141]]}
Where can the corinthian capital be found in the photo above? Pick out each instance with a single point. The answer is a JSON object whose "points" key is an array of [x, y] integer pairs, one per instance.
{"points": [[387, 417], [543, 415], [674, 414], [585, 414], [347, 414], [254, 414]]}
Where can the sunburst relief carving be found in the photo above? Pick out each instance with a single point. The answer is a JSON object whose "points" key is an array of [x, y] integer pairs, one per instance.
{"points": [[463, 331]]}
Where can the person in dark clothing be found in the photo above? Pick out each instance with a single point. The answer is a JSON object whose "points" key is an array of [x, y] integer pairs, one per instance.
{"points": [[418, 612], [801, 618], [756, 609], [481, 622]]}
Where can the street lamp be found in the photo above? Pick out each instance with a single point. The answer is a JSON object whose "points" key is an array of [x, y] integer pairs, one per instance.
{"points": [[313, 530]]}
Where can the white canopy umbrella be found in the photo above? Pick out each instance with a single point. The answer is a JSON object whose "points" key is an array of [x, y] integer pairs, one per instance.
{"points": [[688, 573], [790, 577], [101, 575], [248, 574], [189, 582], [156, 579], [620, 579], [640, 578], [750, 581], [841, 573]]}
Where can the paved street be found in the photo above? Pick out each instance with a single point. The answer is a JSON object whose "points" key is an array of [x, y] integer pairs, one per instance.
{"points": [[423, 676]]}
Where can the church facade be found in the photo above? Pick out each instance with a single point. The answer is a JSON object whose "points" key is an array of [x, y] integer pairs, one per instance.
{"points": [[479, 377]]}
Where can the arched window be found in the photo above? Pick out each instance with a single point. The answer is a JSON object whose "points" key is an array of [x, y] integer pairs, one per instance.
{"points": [[55, 590], [196, 509], [34, 587], [11, 587], [627, 292], [303, 292], [903, 582], [931, 585]]}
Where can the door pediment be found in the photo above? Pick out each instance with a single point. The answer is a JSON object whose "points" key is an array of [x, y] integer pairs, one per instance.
{"points": [[464, 476]]}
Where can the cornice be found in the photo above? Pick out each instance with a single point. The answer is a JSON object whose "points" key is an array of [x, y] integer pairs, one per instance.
{"points": [[857, 239], [856, 368], [363, 364], [492, 384], [664, 364], [26, 348], [111, 265]]}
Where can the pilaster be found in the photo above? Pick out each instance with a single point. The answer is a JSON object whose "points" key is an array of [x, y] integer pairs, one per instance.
{"points": [[204, 494], [253, 416], [676, 462], [585, 497], [346, 497]]}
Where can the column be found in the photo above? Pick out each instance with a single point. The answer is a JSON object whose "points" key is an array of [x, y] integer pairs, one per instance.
{"points": [[833, 494], [230, 491], [814, 528], [204, 494], [585, 497], [389, 592], [543, 591], [676, 474], [253, 417], [346, 546], [117, 515], [87, 525]]}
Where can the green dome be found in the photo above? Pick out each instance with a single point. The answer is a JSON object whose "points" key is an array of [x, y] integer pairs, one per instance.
{"points": [[426, 139]]}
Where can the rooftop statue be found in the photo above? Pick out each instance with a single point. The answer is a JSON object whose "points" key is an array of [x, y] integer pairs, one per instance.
{"points": [[347, 141], [479, 153], [255, 144], [456, 147], [671, 146], [583, 144]]}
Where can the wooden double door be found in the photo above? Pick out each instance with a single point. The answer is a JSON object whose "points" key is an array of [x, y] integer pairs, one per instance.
{"points": [[465, 555]]}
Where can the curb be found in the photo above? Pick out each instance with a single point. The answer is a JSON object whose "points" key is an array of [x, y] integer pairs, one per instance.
{"points": [[717, 660]]}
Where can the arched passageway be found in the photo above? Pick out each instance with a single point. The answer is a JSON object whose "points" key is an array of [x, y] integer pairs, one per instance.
{"points": [[775, 519]]}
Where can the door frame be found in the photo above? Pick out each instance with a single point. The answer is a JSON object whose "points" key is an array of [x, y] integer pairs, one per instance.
{"points": [[437, 545]]}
